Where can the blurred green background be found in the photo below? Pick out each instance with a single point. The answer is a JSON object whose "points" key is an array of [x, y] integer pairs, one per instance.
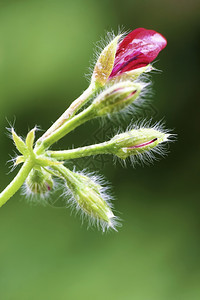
{"points": [[45, 253]]}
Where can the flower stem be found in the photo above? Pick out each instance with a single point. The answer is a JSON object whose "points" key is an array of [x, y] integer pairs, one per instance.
{"points": [[66, 174], [16, 183], [102, 148], [71, 111], [86, 115]]}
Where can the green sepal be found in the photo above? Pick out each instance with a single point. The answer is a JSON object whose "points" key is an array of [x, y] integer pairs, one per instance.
{"points": [[105, 62], [30, 139], [131, 75], [20, 145], [20, 159]]}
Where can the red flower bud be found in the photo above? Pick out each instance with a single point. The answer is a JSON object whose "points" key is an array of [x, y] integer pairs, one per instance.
{"points": [[139, 48]]}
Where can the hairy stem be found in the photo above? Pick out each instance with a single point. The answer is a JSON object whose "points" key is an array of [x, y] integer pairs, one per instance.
{"points": [[16, 183], [66, 174], [102, 148], [67, 127], [71, 111], [61, 127]]}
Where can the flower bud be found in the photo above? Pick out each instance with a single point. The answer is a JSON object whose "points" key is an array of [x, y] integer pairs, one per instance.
{"points": [[139, 48], [116, 97], [135, 51], [137, 141], [91, 199], [39, 182]]}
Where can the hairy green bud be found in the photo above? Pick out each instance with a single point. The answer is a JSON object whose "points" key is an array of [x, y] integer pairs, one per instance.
{"points": [[90, 197], [137, 141], [116, 97], [39, 182]]}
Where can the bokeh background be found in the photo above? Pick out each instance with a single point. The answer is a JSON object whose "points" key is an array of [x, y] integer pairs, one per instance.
{"points": [[45, 253]]}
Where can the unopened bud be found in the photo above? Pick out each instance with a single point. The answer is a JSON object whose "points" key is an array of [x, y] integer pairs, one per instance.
{"points": [[91, 199], [137, 141], [39, 182], [116, 97]]}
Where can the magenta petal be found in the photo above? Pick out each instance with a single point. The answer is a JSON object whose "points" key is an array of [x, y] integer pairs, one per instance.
{"points": [[128, 39], [139, 48]]}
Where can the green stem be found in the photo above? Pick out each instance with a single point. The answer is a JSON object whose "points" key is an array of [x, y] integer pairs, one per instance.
{"points": [[67, 127], [61, 127], [71, 111], [102, 148], [66, 174], [16, 183]]}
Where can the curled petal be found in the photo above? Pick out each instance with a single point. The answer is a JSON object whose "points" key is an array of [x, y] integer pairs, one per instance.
{"points": [[139, 48]]}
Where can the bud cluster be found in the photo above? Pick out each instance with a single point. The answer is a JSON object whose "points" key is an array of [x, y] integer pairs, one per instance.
{"points": [[116, 83]]}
